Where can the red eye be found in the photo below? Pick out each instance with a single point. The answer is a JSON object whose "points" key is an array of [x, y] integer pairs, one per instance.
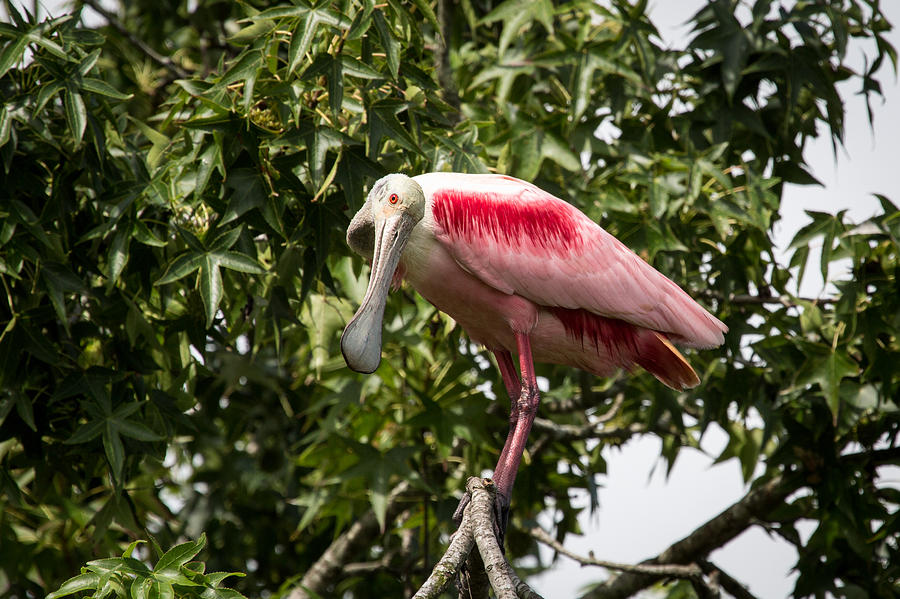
{"points": [[394, 198]]}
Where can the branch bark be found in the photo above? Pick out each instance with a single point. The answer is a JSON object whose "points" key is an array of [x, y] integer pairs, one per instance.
{"points": [[477, 528], [328, 569]]}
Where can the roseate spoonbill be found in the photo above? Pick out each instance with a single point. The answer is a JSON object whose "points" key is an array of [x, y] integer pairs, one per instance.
{"points": [[520, 271]]}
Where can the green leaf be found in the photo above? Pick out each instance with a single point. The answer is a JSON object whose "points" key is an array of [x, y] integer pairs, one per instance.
{"points": [[87, 432], [180, 267], [181, 554], [249, 193], [98, 86], [246, 66], [144, 235], [76, 113], [302, 35], [87, 63], [140, 588], [115, 451], [239, 262], [77, 584], [210, 286], [136, 430], [118, 253], [24, 408], [209, 159], [425, 7], [131, 547], [335, 87], [355, 68], [5, 125], [554, 148], [388, 42], [12, 54], [828, 371], [160, 589], [383, 123], [216, 578]]}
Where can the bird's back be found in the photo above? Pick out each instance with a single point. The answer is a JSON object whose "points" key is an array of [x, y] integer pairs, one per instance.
{"points": [[521, 240]]}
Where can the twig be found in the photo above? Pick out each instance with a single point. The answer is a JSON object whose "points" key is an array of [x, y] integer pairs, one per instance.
{"points": [[669, 570], [575, 432], [155, 56], [785, 300], [613, 410]]}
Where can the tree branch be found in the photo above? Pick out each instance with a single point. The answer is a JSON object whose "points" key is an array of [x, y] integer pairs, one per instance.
{"points": [[669, 570], [482, 509], [447, 568], [745, 299], [733, 586], [477, 528], [137, 42], [576, 432], [442, 55], [713, 534], [329, 567]]}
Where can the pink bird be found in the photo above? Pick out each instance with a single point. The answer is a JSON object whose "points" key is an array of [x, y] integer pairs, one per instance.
{"points": [[522, 272]]}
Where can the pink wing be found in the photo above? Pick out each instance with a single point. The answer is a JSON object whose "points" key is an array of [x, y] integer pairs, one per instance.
{"points": [[520, 239]]}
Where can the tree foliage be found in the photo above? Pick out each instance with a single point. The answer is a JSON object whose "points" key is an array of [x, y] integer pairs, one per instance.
{"points": [[176, 184]]}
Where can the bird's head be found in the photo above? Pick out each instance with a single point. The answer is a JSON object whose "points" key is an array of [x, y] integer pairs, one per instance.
{"points": [[379, 232]]}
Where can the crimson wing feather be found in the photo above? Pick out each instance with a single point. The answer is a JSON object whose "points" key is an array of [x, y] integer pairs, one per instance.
{"points": [[520, 239]]}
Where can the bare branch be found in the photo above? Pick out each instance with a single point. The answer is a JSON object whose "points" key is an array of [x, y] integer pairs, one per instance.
{"points": [[734, 587], [449, 565], [713, 534], [523, 591], [745, 299], [575, 432], [670, 570], [329, 567]]}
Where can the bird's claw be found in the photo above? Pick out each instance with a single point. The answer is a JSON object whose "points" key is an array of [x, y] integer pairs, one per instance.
{"points": [[461, 508]]}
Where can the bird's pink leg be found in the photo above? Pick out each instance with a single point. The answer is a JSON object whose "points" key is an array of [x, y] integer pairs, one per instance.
{"points": [[525, 407], [514, 389]]}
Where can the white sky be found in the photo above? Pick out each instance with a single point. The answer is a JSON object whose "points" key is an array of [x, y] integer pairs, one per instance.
{"points": [[641, 512]]}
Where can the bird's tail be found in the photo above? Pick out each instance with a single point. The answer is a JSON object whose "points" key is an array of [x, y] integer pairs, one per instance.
{"points": [[656, 354]]}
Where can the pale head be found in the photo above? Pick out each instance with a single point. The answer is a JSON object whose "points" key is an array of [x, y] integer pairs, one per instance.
{"points": [[379, 232]]}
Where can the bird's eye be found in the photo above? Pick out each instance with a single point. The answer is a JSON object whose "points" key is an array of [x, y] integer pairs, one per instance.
{"points": [[394, 198]]}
